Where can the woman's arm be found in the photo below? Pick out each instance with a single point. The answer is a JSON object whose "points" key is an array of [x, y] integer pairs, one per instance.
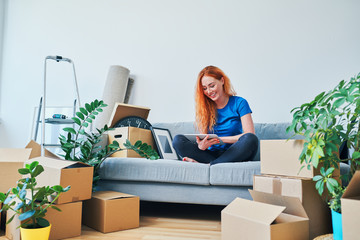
{"points": [[248, 127]]}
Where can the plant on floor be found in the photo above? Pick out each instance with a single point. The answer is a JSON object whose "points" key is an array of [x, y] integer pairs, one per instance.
{"points": [[83, 146], [329, 121], [29, 201]]}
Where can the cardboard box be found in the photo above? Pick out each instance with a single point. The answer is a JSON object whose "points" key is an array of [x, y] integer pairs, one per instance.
{"points": [[11, 159], [268, 217], [12, 231], [281, 157], [62, 172], [316, 208], [64, 224], [109, 211], [350, 207], [67, 223], [133, 135], [122, 110]]}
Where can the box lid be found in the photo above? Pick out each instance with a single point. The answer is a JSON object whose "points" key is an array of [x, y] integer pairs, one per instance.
{"points": [[353, 189], [58, 163], [14, 154], [122, 110], [254, 211], [108, 195], [292, 204]]}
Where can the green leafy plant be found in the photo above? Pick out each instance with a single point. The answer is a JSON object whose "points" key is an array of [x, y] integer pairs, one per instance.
{"points": [[327, 122], [335, 201], [83, 146], [31, 202]]}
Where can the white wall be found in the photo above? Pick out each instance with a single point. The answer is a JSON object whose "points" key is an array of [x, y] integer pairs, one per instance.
{"points": [[2, 20], [278, 53]]}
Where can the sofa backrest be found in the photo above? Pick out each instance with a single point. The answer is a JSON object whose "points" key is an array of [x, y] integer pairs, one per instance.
{"points": [[264, 131]]}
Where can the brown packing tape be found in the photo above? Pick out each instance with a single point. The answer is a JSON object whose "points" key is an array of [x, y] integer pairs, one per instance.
{"points": [[75, 199]]}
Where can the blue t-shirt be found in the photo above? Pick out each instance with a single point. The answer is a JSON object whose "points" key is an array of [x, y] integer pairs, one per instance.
{"points": [[228, 122]]}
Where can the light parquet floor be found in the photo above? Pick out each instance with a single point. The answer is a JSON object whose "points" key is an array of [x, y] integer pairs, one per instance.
{"points": [[164, 221]]}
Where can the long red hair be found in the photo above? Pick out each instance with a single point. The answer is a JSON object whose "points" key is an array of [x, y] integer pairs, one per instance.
{"points": [[205, 107]]}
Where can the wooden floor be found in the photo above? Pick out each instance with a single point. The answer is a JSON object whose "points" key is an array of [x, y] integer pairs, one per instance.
{"points": [[167, 221]]}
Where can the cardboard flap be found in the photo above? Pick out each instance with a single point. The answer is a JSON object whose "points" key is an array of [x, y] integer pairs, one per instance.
{"points": [[14, 154], [108, 195], [255, 211], [353, 189], [292, 204], [57, 163], [122, 110], [36, 150]]}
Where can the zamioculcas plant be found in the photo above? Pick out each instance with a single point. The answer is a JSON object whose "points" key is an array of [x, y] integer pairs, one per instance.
{"points": [[83, 146]]}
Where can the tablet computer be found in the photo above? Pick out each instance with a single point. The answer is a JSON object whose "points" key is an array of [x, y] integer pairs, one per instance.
{"points": [[192, 137]]}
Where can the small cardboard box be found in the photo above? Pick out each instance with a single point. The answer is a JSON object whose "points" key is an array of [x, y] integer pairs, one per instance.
{"points": [[133, 135], [281, 157], [64, 224], [268, 217], [62, 172], [109, 211], [350, 208], [11, 159], [316, 208]]}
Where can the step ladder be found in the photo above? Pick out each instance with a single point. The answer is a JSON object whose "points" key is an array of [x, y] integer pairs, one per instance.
{"points": [[42, 105]]}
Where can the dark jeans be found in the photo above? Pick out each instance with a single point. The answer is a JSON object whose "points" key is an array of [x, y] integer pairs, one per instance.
{"points": [[243, 150]]}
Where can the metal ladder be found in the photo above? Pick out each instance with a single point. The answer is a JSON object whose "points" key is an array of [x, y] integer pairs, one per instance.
{"points": [[42, 105]]}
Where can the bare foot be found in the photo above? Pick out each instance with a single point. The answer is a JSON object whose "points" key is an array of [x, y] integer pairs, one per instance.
{"points": [[187, 159]]}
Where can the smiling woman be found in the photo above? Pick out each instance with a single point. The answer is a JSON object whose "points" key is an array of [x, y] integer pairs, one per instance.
{"points": [[220, 112]]}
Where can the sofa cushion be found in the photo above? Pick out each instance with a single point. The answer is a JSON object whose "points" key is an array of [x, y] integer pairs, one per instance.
{"points": [[161, 170], [234, 174]]}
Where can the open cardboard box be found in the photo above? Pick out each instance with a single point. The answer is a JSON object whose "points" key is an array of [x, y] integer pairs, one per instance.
{"points": [[109, 211], [122, 110], [11, 159], [36, 150], [281, 157], [350, 208], [63, 172], [268, 217], [316, 208], [133, 134], [64, 224]]}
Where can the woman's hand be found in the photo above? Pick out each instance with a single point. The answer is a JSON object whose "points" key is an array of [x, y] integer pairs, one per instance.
{"points": [[205, 143]]}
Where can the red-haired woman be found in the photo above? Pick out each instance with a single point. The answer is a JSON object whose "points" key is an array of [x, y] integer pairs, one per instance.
{"points": [[219, 111]]}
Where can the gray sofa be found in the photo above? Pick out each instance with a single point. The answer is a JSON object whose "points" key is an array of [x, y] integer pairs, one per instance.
{"points": [[176, 181]]}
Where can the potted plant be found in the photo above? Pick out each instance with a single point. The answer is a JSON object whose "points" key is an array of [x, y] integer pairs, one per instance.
{"points": [[83, 146], [328, 123], [30, 203]]}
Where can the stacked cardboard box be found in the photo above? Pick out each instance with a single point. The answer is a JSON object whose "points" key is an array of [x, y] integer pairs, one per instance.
{"points": [[66, 223], [281, 177]]}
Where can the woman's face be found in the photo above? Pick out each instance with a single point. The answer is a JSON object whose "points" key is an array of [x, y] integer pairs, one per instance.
{"points": [[212, 87]]}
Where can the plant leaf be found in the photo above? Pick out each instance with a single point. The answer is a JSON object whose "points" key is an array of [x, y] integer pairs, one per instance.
{"points": [[83, 111], [70, 130], [39, 169], [26, 215], [80, 115]]}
